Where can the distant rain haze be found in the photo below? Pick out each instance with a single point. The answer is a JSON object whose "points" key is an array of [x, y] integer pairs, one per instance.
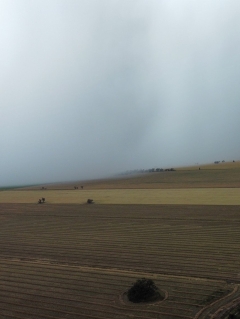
{"points": [[91, 88]]}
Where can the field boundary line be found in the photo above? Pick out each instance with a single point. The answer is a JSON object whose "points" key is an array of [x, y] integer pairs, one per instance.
{"points": [[108, 270]]}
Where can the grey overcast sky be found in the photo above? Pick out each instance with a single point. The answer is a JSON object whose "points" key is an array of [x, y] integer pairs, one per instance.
{"points": [[96, 87]]}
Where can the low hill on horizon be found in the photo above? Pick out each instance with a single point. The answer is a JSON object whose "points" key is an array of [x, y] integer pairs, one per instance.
{"points": [[223, 174]]}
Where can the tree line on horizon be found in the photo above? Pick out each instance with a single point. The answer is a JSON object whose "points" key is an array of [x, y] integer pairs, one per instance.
{"points": [[149, 170]]}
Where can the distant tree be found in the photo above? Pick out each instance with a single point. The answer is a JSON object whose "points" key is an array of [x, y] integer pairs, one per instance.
{"points": [[143, 290], [151, 170]]}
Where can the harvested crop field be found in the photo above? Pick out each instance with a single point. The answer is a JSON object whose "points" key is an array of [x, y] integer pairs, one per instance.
{"points": [[68, 259], [191, 196], [223, 175], [76, 261]]}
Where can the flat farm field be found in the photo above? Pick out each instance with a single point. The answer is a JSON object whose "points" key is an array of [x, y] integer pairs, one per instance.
{"points": [[191, 196], [67, 259], [77, 261]]}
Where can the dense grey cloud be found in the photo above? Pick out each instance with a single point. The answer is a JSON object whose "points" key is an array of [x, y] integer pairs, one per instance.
{"points": [[91, 88]]}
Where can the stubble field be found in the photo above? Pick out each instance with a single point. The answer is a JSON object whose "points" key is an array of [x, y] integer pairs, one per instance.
{"points": [[63, 260], [189, 196]]}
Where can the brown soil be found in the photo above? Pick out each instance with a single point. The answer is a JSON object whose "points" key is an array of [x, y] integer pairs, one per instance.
{"points": [[74, 261]]}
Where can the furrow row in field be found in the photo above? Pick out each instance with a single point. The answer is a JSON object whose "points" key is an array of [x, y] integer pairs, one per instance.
{"points": [[161, 255], [77, 224], [160, 232], [51, 309], [163, 262], [48, 299], [4, 271], [80, 280], [183, 303], [82, 298], [116, 260], [58, 311], [136, 219], [75, 239], [42, 292], [32, 283], [9, 312], [46, 289], [39, 264], [180, 309], [100, 279], [151, 252], [167, 269], [74, 284], [53, 285], [178, 250], [155, 266]]}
